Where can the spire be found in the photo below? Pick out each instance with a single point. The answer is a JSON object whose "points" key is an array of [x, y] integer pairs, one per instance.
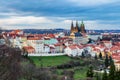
{"points": [[76, 23], [72, 26], [82, 24], [82, 27], [77, 26]]}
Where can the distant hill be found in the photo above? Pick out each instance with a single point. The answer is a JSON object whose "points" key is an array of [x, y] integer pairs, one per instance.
{"points": [[57, 30], [42, 31], [106, 31]]}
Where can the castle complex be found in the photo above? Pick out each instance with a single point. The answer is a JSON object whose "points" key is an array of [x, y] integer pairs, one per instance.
{"points": [[77, 30]]}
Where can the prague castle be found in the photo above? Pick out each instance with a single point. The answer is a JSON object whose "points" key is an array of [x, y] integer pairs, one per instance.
{"points": [[78, 33], [77, 30]]}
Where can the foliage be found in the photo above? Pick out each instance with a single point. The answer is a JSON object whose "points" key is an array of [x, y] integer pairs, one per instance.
{"points": [[90, 72], [112, 71], [10, 63], [105, 76], [110, 60], [106, 61], [83, 54], [97, 76], [117, 75], [96, 57], [100, 55]]}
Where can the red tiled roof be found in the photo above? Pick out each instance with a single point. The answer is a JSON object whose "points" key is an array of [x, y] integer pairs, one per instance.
{"points": [[29, 49], [38, 35], [114, 48], [15, 31], [34, 38], [72, 47], [118, 62], [52, 46], [46, 38], [58, 44], [95, 49], [80, 47], [116, 56], [51, 35], [106, 41], [106, 49]]}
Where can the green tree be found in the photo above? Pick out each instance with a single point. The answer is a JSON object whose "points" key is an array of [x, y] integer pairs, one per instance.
{"points": [[100, 55], [106, 61], [112, 71], [117, 75], [96, 57], [110, 60], [83, 55], [97, 76], [90, 72], [105, 76]]}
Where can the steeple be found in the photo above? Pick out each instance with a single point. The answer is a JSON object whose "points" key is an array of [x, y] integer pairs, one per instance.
{"points": [[72, 26], [82, 27], [82, 24], [77, 24]]}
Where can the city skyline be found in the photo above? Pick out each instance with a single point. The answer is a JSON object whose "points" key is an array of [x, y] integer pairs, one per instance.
{"points": [[47, 14]]}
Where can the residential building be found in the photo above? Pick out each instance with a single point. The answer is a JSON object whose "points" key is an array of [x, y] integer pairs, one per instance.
{"points": [[71, 50], [28, 50], [37, 43]]}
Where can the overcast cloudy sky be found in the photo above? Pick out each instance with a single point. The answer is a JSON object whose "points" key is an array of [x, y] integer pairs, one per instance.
{"points": [[44, 14]]}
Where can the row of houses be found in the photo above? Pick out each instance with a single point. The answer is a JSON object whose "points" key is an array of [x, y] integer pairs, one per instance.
{"points": [[57, 43], [116, 58], [37, 43]]}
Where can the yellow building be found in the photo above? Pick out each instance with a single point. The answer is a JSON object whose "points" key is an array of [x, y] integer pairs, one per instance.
{"points": [[117, 65]]}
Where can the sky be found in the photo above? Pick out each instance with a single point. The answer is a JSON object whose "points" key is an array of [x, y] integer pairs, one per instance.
{"points": [[50, 14]]}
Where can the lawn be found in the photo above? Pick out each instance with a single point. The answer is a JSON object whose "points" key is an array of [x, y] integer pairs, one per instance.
{"points": [[50, 60], [80, 72]]}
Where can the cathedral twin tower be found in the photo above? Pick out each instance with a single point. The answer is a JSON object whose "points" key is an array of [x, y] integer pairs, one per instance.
{"points": [[77, 28]]}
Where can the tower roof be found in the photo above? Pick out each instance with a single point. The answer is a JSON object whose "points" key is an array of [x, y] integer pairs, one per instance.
{"points": [[82, 23], [72, 25], [76, 23]]}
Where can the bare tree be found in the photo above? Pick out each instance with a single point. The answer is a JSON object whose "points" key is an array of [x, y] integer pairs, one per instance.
{"points": [[9, 63]]}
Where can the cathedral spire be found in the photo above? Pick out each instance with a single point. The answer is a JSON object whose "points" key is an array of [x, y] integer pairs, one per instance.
{"points": [[82, 24], [82, 27], [77, 27], [72, 26], [76, 23]]}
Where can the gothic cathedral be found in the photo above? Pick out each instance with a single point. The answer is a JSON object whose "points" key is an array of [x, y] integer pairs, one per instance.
{"points": [[77, 28], [77, 31]]}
